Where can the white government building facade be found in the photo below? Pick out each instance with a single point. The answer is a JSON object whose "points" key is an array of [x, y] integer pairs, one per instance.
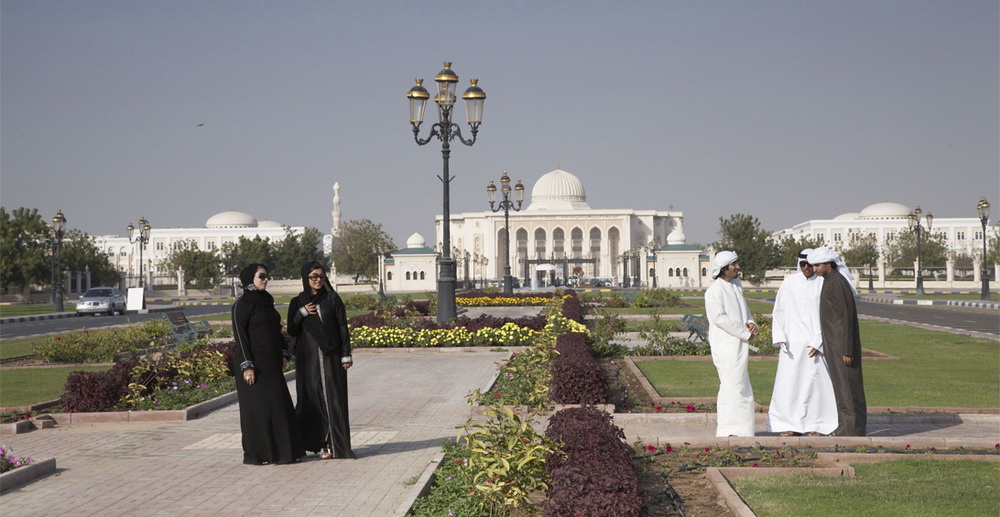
{"points": [[886, 221], [555, 236]]}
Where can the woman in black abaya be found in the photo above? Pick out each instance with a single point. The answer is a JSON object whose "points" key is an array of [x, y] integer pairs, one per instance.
{"points": [[318, 320], [267, 418]]}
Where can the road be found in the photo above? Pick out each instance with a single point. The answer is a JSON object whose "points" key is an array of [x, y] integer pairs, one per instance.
{"points": [[959, 318], [32, 328]]}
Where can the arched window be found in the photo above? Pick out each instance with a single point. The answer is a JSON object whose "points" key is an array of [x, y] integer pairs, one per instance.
{"points": [[577, 236], [388, 275], [670, 272], [704, 272], [685, 271], [539, 243], [407, 275], [558, 242], [421, 275], [522, 242], [595, 242]]}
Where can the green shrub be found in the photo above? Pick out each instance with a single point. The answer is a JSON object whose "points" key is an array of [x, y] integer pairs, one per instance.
{"points": [[506, 459], [102, 345], [603, 331], [656, 298], [452, 492]]}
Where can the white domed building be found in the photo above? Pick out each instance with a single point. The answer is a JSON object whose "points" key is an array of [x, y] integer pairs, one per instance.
{"points": [[219, 230], [884, 222], [557, 238]]}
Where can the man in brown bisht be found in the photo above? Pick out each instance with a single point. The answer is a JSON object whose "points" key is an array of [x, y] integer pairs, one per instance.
{"points": [[838, 316]]}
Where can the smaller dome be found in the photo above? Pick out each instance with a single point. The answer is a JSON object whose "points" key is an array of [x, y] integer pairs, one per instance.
{"points": [[885, 210], [676, 235], [416, 241], [269, 224], [849, 216], [231, 219]]}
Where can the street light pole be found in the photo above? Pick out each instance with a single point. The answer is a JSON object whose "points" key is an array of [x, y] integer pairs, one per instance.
{"points": [[445, 131], [506, 205], [914, 221], [984, 217], [58, 228]]}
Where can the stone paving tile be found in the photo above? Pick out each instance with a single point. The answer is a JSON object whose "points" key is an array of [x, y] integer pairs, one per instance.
{"points": [[402, 406]]}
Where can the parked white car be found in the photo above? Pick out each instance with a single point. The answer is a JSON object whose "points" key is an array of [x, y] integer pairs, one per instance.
{"points": [[101, 300]]}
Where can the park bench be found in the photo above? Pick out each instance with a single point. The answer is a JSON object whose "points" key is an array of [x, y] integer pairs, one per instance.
{"points": [[184, 331], [695, 326]]}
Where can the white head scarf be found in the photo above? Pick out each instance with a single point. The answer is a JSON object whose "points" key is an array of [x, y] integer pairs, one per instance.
{"points": [[723, 259], [823, 254]]}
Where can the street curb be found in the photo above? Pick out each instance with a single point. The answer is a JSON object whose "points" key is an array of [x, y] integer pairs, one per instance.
{"points": [[977, 304]]}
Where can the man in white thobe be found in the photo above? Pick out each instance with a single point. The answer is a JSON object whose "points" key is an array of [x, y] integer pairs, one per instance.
{"points": [[730, 328], [803, 401]]}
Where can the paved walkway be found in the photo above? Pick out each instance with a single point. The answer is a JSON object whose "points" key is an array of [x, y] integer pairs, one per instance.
{"points": [[402, 406]]}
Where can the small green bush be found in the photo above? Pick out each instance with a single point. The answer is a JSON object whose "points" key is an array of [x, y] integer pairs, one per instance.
{"points": [[102, 345]]}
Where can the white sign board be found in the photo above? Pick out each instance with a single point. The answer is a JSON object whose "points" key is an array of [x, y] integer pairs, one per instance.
{"points": [[136, 299]]}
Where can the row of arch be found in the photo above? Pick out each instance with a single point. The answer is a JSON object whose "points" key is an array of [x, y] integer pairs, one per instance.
{"points": [[577, 246]]}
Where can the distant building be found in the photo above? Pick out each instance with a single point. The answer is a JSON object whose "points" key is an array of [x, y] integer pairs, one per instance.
{"points": [[219, 230], [885, 222], [557, 235]]}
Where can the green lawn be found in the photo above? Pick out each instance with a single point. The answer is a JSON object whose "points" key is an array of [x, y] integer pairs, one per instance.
{"points": [[935, 369], [16, 347], [697, 306], [7, 311], [905, 488], [26, 386]]}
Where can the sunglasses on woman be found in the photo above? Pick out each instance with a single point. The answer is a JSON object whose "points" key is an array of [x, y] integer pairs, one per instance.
{"points": [[263, 276], [314, 276]]}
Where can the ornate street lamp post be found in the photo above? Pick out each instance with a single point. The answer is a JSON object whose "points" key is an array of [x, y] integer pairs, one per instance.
{"points": [[652, 245], [445, 131], [914, 221], [506, 204], [142, 239], [984, 217], [625, 279], [871, 261], [58, 229]]}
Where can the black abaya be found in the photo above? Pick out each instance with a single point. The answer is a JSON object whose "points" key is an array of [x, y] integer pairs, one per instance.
{"points": [[322, 346], [267, 417]]}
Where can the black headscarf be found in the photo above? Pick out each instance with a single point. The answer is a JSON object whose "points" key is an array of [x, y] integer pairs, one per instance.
{"points": [[256, 296], [315, 326]]}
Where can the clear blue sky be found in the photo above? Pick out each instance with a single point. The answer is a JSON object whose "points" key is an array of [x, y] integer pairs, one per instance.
{"points": [[785, 110]]}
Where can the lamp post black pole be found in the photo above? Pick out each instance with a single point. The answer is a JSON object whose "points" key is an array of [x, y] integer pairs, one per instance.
{"points": [[142, 239], [871, 259], [446, 131], [58, 227], [625, 279], [984, 217], [914, 221], [506, 204]]}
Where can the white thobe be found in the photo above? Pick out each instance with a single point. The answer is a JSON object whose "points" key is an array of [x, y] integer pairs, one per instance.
{"points": [[803, 399], [729, 339]]}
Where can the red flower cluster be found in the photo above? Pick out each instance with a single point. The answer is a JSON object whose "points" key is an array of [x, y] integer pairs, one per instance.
{"points": [[668, 448], [690, 408], [651, 448]]}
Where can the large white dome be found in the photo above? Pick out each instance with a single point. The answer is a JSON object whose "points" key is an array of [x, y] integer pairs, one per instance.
{"points": [[231, 219], [885, 210], [558, 190]]}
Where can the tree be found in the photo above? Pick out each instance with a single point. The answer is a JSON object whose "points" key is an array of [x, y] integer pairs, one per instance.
{"points": [[743, 234], [23, 234], [81, 253], [203, 268], [902, 251], [292, 252], [863, 253], [789, 248], [252, 251], [356, 252]]}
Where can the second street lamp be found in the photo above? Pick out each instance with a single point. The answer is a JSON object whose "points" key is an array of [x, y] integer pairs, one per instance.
{"points": [[914, 221], [58, 229], [445, 130], [984, 217], [506, 205]]}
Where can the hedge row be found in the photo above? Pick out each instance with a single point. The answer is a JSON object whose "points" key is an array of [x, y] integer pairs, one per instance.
{"points": [[594, 476], [576, 377], [389, 318], [572, 308]]}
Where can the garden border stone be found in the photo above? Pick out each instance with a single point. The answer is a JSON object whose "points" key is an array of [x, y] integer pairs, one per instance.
{"points": [[721, 477], [23, 475]]}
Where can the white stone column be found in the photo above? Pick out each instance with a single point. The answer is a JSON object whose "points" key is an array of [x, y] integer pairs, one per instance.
{"points": [[977, 269], [950, 271], [181, 288]]}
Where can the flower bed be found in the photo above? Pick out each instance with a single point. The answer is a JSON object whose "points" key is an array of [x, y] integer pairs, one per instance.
{"points": [[9, 461], [104, 345]]}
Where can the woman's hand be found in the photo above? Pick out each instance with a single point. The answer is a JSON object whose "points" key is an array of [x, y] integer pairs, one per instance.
{"points": [[249, 376], [310, 308]]}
